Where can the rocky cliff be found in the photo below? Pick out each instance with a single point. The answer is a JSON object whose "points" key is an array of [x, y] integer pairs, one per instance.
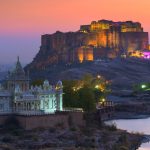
{"points": [[99, 39]]}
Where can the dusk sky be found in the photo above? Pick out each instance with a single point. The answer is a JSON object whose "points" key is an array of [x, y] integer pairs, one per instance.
{"points": [[23, 21]]}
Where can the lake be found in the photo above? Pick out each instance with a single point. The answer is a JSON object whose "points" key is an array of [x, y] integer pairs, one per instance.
{"points": [[135, 125]]}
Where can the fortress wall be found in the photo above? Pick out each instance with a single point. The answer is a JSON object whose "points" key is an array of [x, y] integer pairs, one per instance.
{"points": [[3, 119], [43, 121], [77, 118], [51, 120], [134, 41], [84, 54]]}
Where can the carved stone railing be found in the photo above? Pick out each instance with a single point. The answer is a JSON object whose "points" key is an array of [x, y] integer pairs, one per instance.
{"points": [[101, 105], [73, 109]]}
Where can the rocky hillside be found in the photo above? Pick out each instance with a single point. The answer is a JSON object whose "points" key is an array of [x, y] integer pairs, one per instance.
{"points": [[122, 72]]}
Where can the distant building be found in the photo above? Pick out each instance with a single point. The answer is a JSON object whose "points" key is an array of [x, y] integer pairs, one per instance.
{"points": [[17, 97]]}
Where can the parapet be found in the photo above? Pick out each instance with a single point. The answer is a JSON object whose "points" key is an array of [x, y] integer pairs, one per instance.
{"points": [[95, 26]]}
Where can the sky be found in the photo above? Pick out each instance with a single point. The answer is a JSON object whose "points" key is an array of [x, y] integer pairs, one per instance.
{"points": [[22, 22]]}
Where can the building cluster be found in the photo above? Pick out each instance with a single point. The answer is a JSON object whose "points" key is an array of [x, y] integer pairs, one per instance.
{"points": [[100, 39], [117, 38], [17, 97]]}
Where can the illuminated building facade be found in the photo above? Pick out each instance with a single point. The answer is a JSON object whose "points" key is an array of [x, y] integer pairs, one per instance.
{"points": [[146, 55], [128, 36], [18, 98], [99, 39]]}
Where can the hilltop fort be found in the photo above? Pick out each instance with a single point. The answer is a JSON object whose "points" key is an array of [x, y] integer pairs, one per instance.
{"points": [[100, 39]]}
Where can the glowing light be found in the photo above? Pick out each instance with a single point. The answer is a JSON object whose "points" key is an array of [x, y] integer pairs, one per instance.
{"points": [[146, 55], [137, 54], [143, 86], [96, 86], [103, 100], [98, 76], [74, 89]]}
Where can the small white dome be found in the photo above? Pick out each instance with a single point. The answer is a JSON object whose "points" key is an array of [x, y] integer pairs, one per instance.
{"points": [[46, 83], [59, 84]]}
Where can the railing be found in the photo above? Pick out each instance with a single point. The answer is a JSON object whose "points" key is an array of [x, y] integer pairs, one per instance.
{"points": [[101, 105], [36, 113], [5, 112], [32, 113], [73, 109]]}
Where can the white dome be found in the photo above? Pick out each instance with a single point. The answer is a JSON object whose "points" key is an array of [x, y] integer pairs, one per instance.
{"points": [[46, 83], [59, 84]]}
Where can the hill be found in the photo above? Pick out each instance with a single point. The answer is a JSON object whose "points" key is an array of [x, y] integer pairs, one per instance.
{"points": [[123, 73]]}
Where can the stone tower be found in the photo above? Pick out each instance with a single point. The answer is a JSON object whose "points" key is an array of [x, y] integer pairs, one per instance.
{"points": [[17, 78]]}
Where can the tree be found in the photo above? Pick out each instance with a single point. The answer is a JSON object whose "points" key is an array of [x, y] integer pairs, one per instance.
{"points": [[71, 97], [87, 99]]}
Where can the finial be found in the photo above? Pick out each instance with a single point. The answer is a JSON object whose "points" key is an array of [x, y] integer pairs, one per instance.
{"points": [[18, 58]]}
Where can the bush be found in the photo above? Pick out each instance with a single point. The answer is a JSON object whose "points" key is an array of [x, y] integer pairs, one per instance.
{"points": [[17, 132], [123, 138], [112, 127]]}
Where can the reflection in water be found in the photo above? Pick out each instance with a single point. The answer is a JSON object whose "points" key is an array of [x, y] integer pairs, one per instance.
{"points": [[135, 125]]}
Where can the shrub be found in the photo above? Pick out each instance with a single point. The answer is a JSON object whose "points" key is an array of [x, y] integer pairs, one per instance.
{"points": [[17, 132], [112, 127]]}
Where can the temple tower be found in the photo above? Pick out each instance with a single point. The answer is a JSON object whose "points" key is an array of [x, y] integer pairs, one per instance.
{"points": [[18, 78]]}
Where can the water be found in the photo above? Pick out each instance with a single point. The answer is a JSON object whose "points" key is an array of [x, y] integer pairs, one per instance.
{"points": [[135, 125]]}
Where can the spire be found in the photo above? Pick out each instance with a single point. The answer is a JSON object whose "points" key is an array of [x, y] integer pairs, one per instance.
{"points": [[19, 69], [18, 59]]}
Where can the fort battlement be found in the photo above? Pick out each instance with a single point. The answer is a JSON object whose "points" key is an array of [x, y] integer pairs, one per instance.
{"points": [[127, 26]]}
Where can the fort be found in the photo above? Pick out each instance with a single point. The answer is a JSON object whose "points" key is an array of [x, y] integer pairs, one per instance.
{"points": [[100, 39]]}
